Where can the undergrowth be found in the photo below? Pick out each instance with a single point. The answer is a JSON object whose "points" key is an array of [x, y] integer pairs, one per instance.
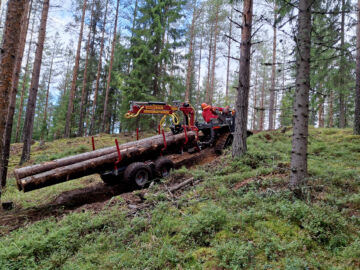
{"points": [[240, 216]]}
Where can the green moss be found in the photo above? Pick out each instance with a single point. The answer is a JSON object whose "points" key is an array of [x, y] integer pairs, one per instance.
{"points": [[218, 224]]}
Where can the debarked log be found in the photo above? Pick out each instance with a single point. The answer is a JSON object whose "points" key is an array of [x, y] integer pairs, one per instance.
{"points": [[138, 151], [49, 165]]}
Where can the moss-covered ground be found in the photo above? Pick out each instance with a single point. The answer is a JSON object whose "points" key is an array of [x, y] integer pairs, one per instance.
{"points": [[239, 216]]}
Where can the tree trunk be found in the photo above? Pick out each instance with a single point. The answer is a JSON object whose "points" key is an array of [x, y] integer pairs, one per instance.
{"points": [[212, 88], [228, 58], [132, 32], [25, 78], [242, 100], [4, 160], [341, 69], [44, 127], [273, 75], [331, 109], [207, 90], [82, 103], [199, 74], [357, 89], [321, 113], [262, 105], [255, 99], [105, 122], [75, 76], [275, 109], [190, 56], [92, 122], [138, 151], [299, 173], [8, 56], [30, 109]]}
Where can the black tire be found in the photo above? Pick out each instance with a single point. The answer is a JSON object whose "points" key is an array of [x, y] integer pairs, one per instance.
{"points": [[163, 166], [224, 141], [138, 174], [110, 179]]}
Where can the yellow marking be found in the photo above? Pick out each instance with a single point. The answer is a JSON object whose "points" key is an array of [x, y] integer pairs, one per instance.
{"points": [[157, 112]]}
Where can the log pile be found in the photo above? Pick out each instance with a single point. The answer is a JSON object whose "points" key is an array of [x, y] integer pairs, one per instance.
{"points": [[69, 168]]}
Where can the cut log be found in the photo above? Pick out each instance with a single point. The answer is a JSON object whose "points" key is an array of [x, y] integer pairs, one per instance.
{"points": [[39, 168], [137, 151]]}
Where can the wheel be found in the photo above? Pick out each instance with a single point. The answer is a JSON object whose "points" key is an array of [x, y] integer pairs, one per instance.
{"points": [[109, 179], [138, 173], [224, 141], [163, 166]]}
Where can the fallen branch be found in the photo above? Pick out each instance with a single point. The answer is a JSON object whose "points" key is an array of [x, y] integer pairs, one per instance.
{"points": [[182, 184]]}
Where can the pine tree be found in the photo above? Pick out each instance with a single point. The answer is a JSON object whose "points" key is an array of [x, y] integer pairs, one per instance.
{"points": [[242, 99], [98, 74], [105, 122], [150, 53], [357, 89], [75, 75], [26, 75], [84, 83], [9, 51], [31, 104], [273, 76], [4, 161], [190, 61]]}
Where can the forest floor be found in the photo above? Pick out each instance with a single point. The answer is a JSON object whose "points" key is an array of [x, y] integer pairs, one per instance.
{"points": [[236, 213]]}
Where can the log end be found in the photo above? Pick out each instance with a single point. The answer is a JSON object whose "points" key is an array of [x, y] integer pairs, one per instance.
{"points": [[18, 181]]}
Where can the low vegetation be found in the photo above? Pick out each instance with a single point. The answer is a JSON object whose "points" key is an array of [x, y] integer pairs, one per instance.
{"points": [[240, 215]]}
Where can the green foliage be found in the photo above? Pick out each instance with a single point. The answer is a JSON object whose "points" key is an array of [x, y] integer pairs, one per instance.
{"points": [[203, 226], [219, 223], [286, 109], [235, 254], [67, 153], [150, 53]]}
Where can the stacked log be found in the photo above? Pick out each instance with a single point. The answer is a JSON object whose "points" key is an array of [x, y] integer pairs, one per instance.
{"points": [[65, 169]]}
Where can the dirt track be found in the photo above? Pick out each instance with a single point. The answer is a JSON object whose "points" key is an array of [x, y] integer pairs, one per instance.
{"points": [[92, 197]]}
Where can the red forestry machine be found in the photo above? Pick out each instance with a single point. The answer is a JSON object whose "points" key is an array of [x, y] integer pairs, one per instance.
{"points": [[215, 132], [136, 163]]}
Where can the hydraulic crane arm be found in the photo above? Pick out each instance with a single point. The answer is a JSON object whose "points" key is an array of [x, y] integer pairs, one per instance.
{"points": [[139, 107]]}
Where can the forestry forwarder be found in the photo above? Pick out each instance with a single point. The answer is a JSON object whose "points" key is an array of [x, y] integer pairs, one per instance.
{"points": [[136, 163], [215, 132]]}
